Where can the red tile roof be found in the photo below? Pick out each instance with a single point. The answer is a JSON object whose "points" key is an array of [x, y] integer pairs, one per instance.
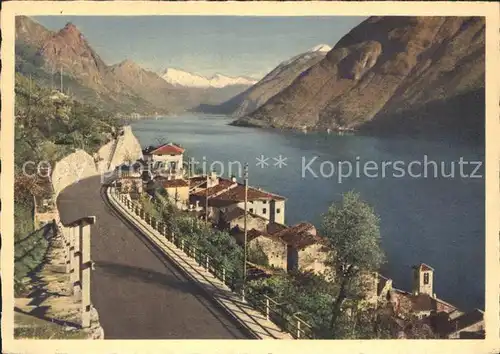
{"points": [[237, 194], [197, 181], [167, 149], [274, 227], [173, 183], [254, 233], [424, 267], [221, 186], [300, 235]]}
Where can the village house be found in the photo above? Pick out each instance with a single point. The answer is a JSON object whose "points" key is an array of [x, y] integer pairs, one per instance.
{"points": [[306, 250], [274, 248], [177, 190], [446, 320], [224, 195], [167, 159], [129, 179]]}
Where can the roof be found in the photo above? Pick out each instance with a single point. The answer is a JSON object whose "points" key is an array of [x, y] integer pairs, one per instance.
{"points": [[253, 234], [237, 194], [237, 213], [274, 227], [197, 181], [424, 267], [422, 302], [165, 149], [300, 235], [472, 335], [467, 320], [212, 191], [381, 283], [172, 183]]}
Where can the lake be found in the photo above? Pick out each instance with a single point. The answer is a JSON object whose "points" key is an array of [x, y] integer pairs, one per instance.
{"points": [[429, 218]]}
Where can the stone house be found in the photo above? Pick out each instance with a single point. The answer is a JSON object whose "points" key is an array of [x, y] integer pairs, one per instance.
{"points": [[234, 221], [166, 158], [129, 178], [176, 189], [446, 320], [224, 195], [273, 247], [306, 251], [468, 325], [422, 301]]}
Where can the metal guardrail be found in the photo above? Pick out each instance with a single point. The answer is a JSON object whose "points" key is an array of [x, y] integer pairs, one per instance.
{"points": [[273, 310]]}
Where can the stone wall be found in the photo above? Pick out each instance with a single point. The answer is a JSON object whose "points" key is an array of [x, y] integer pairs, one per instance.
{"points": [[80, 164], [127, 147], [274, 249], [312, 258], [71, 169]]}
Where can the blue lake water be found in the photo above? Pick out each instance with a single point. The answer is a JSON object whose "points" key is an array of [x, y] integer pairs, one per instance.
{"points": [[438, 221]]}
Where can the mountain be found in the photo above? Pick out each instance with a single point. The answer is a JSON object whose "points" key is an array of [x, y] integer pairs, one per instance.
{"points": [[391, 74], [31, 32], [48, 56], [182, 78], [125, 87], [274, 82]]}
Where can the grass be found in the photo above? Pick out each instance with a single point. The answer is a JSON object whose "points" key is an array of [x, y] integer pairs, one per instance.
{"points": [[31, 327]]}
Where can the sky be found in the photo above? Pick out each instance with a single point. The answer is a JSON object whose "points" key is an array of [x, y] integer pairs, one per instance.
{"points": [[205, 45]]}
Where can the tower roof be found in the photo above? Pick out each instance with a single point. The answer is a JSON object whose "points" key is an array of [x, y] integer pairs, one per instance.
{"points": [[424, 267]]}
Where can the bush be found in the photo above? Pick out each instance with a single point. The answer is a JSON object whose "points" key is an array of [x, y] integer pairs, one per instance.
{"points": [[220, 246]]}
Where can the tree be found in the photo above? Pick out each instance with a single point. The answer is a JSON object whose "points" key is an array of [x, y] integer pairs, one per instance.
{"points": [[352, 232]]}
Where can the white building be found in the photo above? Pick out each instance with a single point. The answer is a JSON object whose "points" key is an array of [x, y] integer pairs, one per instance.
{"points": [[225, 195], [166, 159]]}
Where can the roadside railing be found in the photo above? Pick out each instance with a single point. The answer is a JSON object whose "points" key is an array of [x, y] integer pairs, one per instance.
{"points": [[75, 238], [276, 312], [273, 310]]}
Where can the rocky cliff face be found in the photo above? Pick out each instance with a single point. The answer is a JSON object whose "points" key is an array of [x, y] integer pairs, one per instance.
{"points": [[69, 50], [384, 70], [31, 32], [80, 165]]}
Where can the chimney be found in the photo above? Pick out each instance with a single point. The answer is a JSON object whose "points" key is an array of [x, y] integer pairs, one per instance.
{"points": [[233, 178], [213, 180]]}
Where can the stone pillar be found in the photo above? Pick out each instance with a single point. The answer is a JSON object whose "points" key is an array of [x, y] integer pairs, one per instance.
{"points": [[78, 259], [67, 246], [86, 266], [72, 250]]}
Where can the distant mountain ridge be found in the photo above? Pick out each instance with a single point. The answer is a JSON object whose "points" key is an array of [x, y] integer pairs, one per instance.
{"points": [[271, 84], [124, 87], [183, 78], [390, 74]]}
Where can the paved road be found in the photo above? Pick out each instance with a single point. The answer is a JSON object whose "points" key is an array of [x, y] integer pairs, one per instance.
{"points": [[138, 293]]}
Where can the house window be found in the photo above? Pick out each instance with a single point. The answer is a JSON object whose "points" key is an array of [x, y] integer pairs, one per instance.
{"points": [[250, 210], [426, 278], [278, 211], [264, 211], [264, 202]]}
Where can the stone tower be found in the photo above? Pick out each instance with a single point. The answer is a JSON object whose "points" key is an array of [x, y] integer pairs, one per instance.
{"points": [[423, 278]]}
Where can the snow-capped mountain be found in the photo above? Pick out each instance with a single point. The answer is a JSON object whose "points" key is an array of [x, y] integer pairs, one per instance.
{"points": [[274, 82], [320, 49], [183, 78]]}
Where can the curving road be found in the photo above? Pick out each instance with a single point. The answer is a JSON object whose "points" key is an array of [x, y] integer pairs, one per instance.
{"points": [[139, 294]]}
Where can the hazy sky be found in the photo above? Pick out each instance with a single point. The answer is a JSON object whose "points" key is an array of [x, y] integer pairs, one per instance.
{"points": [[231, 45]]}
